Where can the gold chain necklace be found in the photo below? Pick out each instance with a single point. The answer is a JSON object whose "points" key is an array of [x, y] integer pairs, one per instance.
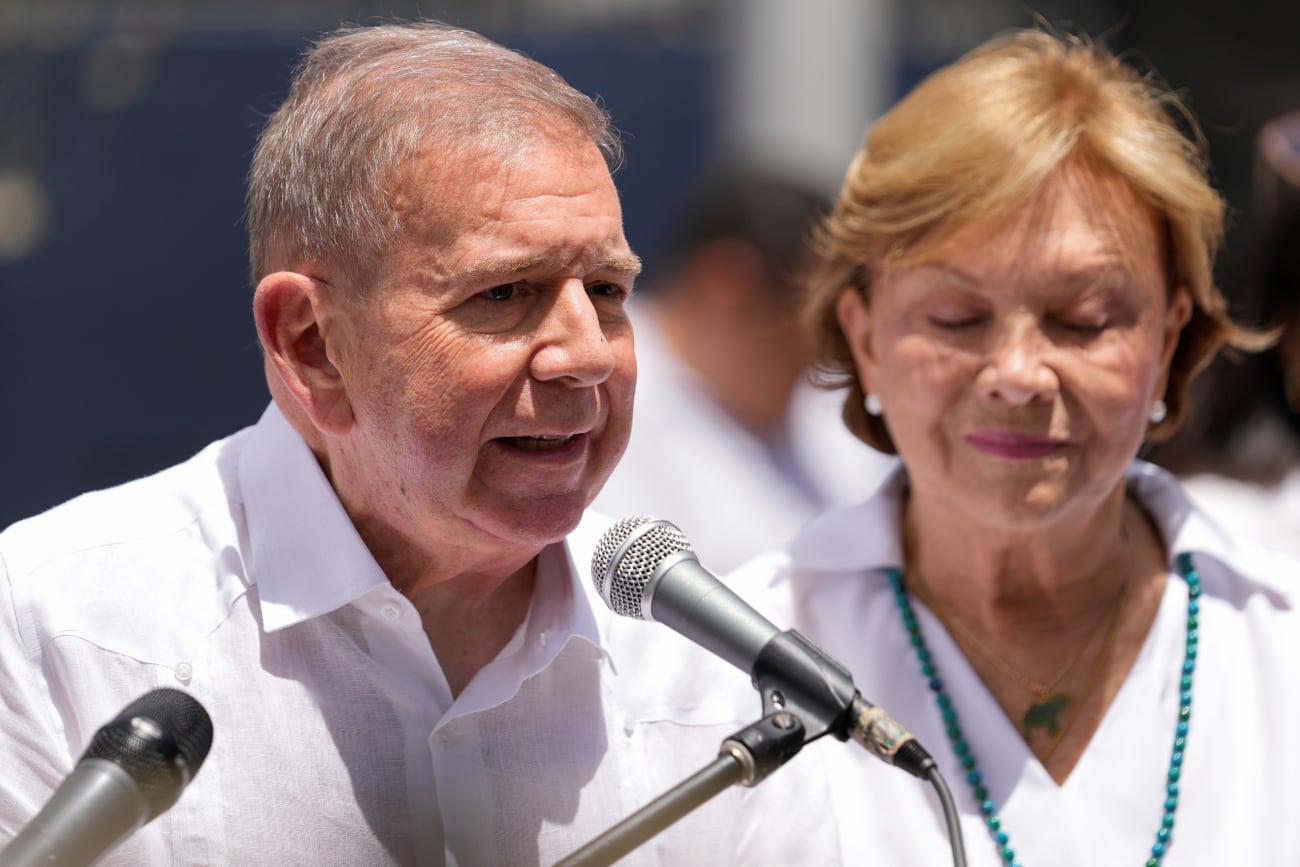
{"points": [[1045, 712], [1102, 654]]}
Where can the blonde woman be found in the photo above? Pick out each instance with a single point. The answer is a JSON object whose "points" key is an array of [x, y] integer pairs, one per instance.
{"points": [[1015, 287]]}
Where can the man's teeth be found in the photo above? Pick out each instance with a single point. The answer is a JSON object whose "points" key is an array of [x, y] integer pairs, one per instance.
{"points": [[539, 444]]}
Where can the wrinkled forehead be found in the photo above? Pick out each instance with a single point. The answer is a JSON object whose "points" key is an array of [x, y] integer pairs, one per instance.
{"points": [[430, 194]]}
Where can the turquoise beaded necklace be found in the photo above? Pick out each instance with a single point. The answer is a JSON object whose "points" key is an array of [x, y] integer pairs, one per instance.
{"points": [[962, 749]]}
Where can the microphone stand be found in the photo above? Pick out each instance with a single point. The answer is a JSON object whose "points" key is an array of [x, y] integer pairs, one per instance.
{"points": [[747, 757]]}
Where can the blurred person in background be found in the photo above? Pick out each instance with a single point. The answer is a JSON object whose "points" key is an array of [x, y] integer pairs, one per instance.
{"points": [[1016, 288], [730, 441], [379, 591], [1240, 453]]}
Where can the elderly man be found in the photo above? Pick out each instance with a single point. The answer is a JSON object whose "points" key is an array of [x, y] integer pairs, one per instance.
{"points": [[379, 591]]}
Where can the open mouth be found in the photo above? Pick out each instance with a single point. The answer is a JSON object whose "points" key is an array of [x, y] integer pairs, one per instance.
{"points": [[540, 443]]}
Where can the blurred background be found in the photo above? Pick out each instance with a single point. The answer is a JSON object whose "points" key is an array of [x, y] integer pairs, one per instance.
{"points": [[126, 341]]}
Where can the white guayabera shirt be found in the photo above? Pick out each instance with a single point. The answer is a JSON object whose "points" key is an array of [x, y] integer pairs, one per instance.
{"points": [[237, 577]]}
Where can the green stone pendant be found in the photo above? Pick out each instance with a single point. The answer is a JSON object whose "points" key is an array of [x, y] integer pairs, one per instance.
{"points": [[1044, 714]]}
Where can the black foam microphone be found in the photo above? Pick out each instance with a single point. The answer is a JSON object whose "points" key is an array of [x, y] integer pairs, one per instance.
{"points": [[645, 568], [133, 770]]}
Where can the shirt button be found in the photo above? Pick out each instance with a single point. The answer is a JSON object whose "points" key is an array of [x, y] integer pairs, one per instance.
{"points": [[542, 639], [390, 611], [183, 671]]}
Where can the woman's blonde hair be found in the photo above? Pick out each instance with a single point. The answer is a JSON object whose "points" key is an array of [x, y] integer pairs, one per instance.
{"points": [[978, 138]]}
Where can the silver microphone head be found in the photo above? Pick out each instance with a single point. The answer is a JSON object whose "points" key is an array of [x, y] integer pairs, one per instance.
{"points": [[627, 558]]}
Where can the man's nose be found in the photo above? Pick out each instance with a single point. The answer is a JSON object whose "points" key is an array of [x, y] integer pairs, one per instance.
{"points": [[573, 343]]}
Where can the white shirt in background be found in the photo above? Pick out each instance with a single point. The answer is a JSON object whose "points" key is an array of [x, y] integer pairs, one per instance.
{"points": [[1266, 514], [732, 493]]}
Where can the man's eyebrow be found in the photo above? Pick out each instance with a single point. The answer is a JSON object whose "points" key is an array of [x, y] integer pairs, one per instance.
{"points": [[622, 264], [501, 269]]}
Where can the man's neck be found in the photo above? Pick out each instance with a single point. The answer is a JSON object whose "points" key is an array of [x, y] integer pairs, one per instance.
{"points": [[466, 627]]}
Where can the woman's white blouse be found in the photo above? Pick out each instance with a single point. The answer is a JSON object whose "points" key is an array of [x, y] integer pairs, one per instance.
{"points": [[1239, 800]]}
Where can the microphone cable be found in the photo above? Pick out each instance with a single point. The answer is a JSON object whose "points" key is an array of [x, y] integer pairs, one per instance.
{"points": [[950, 815]]}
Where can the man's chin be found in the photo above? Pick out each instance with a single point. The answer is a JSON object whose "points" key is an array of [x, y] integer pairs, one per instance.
{"points": [[544, 521]]}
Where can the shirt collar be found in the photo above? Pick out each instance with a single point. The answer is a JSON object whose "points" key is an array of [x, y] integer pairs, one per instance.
{"points": [[558, 615], [309, 560], [560, 609], [582, 598], [1186, 529], [307, 557], [868, 536]]}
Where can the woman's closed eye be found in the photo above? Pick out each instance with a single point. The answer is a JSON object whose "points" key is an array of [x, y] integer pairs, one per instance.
{"points": [[1085, 327], [1083, 320], [956, 321]]}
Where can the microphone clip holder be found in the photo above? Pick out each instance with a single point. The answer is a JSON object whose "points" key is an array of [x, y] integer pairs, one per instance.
{"points": [[794, 674], [762, 747]]}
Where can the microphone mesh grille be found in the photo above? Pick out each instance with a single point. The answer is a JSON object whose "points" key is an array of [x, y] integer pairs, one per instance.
{"points": [[629, 574], [160, 740]]}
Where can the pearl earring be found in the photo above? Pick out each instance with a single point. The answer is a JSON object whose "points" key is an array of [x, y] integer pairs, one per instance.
{"points": [[872, 404], [1158, 411]]}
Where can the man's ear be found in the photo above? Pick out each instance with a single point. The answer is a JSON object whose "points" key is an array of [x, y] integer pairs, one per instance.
{"points": [[293, 316]]}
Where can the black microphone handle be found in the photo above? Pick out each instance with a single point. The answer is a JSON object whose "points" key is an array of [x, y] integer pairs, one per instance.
{"points": [[789, 671], [696, 604], [96, 806]]}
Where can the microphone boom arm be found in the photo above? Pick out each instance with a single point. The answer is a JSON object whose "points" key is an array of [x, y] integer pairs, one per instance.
{"points": [[747, 758]]}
